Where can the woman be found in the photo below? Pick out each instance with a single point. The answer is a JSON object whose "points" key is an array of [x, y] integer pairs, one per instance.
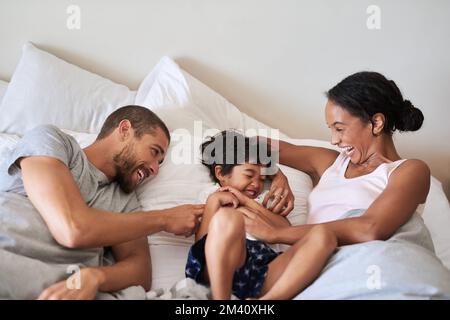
{"points": [[362, 112]]}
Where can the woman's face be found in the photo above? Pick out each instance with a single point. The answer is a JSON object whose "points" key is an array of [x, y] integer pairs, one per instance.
{"points": [[245, 177], [349, 133]]}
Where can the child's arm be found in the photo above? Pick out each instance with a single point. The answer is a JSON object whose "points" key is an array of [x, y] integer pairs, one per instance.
{"points": [[214, 202], [245, 201]]}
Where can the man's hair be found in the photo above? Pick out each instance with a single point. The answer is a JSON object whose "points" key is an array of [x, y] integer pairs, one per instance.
{"points": [[143, 121]]}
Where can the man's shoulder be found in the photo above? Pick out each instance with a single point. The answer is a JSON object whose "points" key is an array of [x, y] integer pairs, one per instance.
{"points": [[49, 134], [46, 129]]}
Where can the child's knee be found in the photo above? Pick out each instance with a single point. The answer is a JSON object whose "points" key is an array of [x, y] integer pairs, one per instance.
{"points": [[227, 221]]}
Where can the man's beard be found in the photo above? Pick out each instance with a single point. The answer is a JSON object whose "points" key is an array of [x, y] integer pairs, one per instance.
{"points": [[125, 163]]}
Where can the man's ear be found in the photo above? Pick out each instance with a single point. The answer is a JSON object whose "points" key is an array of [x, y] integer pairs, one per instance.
{"points": [[125, 129], [378, 120]]}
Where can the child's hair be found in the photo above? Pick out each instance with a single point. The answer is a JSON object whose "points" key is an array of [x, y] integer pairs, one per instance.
{"points": [[230, 148]]}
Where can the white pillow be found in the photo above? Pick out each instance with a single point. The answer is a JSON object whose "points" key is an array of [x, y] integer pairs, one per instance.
{"points": [[180, 99], [47, 90], [3, 87]]}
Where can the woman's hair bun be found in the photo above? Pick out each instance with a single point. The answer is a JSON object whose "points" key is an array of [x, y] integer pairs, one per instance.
{"points": [[410, 119]]}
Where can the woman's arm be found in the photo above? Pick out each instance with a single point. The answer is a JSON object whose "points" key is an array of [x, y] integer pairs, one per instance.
{"points": [[408, 186], [311, 160], [247, 203], [275, 219]]}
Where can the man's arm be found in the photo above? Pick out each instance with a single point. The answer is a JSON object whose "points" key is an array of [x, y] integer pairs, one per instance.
{"points": [[132, 268], [54, 193]]}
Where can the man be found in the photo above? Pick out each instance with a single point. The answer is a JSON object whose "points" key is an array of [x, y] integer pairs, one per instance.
{"points": [[60, 205]]}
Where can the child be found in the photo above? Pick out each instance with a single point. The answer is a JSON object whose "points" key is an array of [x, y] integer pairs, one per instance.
{"points": [[222, 256]]}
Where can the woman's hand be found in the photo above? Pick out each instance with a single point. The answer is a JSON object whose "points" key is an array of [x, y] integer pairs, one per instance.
{"points": [[281, 195], [82, 285], [241, 197], [259, 226]]}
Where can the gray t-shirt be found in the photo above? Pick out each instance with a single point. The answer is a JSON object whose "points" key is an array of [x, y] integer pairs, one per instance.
{"points": [[30, 258], [51, 142]]}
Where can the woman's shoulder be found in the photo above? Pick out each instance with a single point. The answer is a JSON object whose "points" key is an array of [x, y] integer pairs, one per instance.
{"points": [[412, 166], [411, 177]]}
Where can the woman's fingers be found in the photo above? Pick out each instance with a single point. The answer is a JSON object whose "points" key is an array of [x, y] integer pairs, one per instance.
{"points": [[267, 197], [283, 201], [276, 198], [288, 208]]}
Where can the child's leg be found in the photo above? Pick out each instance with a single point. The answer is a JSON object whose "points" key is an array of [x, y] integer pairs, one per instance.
{"points": [[211, 208], [225, 250], [294, 270]]}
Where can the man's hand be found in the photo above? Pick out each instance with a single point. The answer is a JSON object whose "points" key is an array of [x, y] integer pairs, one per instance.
{"points": [[82, 285], [242, 198], [183, 219], [281, 195]]}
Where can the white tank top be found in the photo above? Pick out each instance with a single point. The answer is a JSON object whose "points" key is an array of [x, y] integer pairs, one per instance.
{"points": [[335, 194]]}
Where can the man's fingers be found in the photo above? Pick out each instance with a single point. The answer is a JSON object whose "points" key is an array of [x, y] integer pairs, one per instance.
{"points": [[44, 295], [47, 293]]}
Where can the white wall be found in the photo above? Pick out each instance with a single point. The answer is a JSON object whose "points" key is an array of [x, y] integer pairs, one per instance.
{"points": [[273, 59]]}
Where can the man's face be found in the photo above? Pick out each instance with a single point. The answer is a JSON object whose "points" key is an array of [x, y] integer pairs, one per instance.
{"points": [[140, 159]]}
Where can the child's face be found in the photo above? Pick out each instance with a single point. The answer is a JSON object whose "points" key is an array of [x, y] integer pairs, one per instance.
{"points": [[246, 178]]}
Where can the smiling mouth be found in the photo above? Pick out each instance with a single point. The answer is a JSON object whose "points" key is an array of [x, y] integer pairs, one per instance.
{"points": [[348, 150], [142, 174], [251, 193]]}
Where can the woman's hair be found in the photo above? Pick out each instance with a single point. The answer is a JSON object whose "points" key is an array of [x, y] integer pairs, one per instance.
{"points": [[364, 94], [230, 148]]}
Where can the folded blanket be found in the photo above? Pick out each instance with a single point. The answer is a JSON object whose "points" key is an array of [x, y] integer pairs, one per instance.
{"points": [[402, 267]]}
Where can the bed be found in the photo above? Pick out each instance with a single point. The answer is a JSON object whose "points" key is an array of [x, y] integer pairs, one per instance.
{"points": [[78, 101]]}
